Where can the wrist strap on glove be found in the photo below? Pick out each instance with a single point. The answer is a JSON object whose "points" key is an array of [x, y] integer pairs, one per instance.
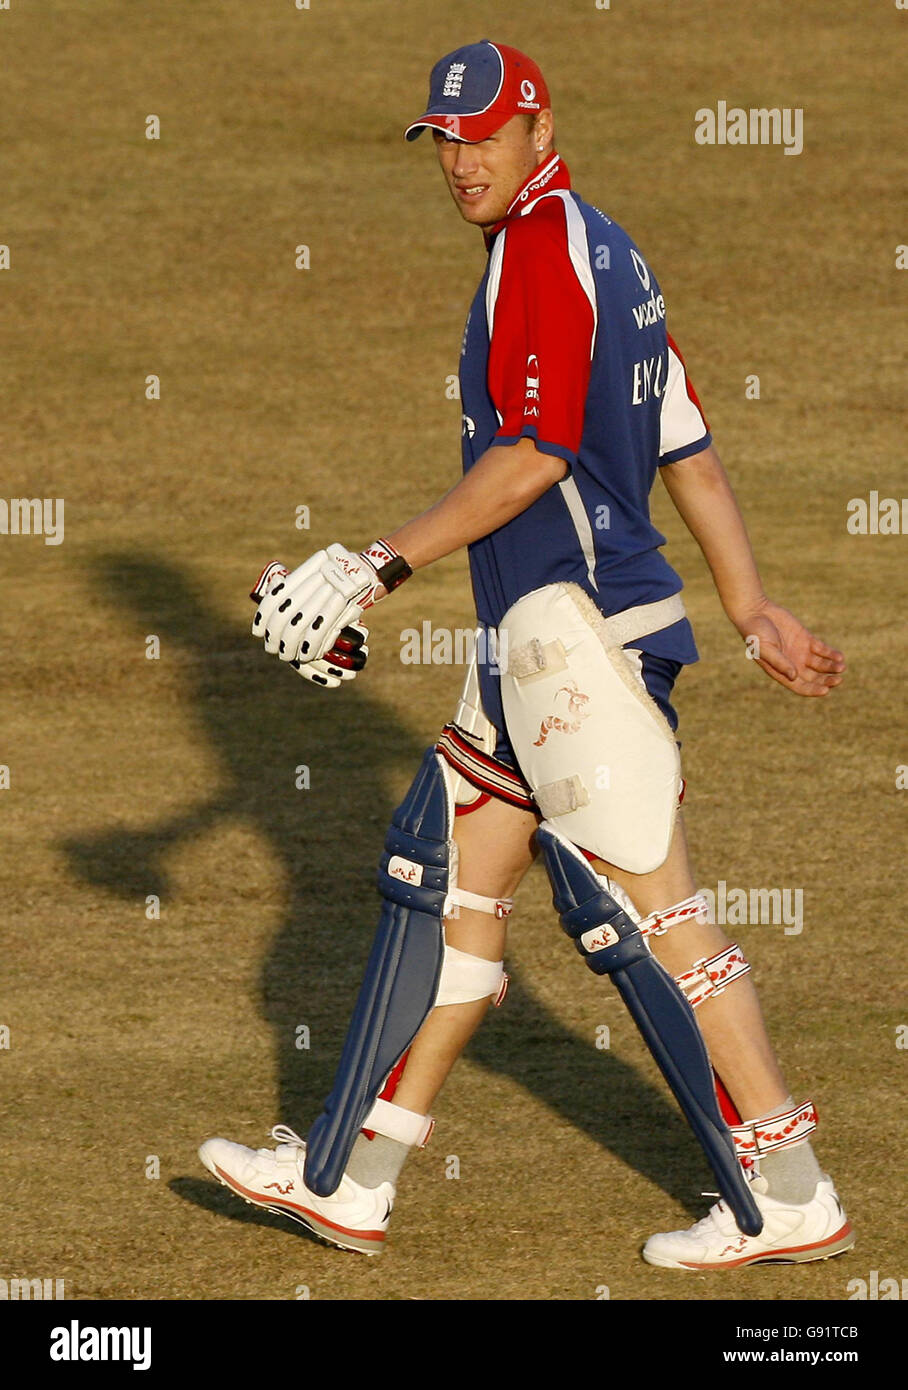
{"points": [[390, 566]]}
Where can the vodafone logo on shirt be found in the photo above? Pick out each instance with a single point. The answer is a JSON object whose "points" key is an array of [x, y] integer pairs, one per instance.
{"points": [[531, 399], [641, 268]]}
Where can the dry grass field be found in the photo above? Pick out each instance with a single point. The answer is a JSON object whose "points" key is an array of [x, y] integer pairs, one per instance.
{"points": [[132, 1038]]}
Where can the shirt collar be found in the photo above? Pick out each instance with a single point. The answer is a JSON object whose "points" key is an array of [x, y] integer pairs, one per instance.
{"points": [[553, 173]]}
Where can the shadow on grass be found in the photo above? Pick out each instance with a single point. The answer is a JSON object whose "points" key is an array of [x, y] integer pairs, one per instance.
{"points": [[213, 1197], [258, 722]]}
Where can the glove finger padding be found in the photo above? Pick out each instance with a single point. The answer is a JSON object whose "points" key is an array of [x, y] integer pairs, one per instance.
{"points": [[279, 590], [342, 663], [311, 623], [350, 651]]}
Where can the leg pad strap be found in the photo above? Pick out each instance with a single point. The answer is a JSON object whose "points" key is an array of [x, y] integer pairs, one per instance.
{"points": [[711, 975], [658, 923], [396, 1123], [765, 1136], [459, 897]]}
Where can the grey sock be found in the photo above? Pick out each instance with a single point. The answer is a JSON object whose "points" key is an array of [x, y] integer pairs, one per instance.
{"points": [[378, 1160], [791, 1174]]}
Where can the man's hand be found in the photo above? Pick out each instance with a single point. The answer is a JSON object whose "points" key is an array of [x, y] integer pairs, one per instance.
{"points": [[789, 653]]}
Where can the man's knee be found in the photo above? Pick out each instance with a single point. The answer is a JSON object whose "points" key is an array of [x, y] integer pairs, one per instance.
{"points": [[495, 845]]}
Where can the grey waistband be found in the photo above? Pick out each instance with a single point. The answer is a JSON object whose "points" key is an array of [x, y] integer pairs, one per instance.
{"points": [[646, 618]]}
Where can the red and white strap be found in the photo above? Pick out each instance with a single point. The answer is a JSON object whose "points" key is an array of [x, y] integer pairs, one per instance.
{"points": [[394, 1122], [483, 772], [659, 922], [710, 975], [765, 1136]]}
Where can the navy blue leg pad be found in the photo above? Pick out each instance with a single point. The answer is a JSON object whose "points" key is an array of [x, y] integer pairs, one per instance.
{"points": [[401, 980], [614, 946]]}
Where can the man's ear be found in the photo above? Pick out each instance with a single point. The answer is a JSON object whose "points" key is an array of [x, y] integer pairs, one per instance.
{"points": [[544, 130]]}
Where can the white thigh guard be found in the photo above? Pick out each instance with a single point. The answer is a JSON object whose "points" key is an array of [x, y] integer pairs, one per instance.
{"points": [[597, 751]]}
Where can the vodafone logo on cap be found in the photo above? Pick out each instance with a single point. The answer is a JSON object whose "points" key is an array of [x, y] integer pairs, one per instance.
{"points": [[528, 92]]}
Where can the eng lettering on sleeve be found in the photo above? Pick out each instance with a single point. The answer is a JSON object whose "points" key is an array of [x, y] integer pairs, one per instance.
{"points": [[649, 378]]}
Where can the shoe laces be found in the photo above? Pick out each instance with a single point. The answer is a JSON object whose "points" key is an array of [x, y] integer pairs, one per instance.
{"points": [[285, 1135], [751, 1168], [289, 1141], [721, 1208]]}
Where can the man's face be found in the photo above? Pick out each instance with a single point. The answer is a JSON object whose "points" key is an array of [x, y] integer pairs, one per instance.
{"points": [[484, 177]]}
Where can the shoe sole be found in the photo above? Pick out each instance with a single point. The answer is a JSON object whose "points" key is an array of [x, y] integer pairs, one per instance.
{"points": [[837, 1244], [327, 1231]]}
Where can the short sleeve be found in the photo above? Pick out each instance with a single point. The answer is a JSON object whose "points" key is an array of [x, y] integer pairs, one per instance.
{"points": [[542, 320], [683, 426]]}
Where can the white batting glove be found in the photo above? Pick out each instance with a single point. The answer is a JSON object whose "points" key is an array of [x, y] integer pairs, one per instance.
{"points": [[302, 615], [341, 662]]}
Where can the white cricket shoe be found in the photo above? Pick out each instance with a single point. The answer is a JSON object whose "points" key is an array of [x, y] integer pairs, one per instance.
{"points": [[790, 1234], [353, 1217]]}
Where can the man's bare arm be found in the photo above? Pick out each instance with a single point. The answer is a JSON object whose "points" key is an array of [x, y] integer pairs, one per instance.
{"points": [[793, 656], [301, 616], [702, 493], [506, 480]]}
